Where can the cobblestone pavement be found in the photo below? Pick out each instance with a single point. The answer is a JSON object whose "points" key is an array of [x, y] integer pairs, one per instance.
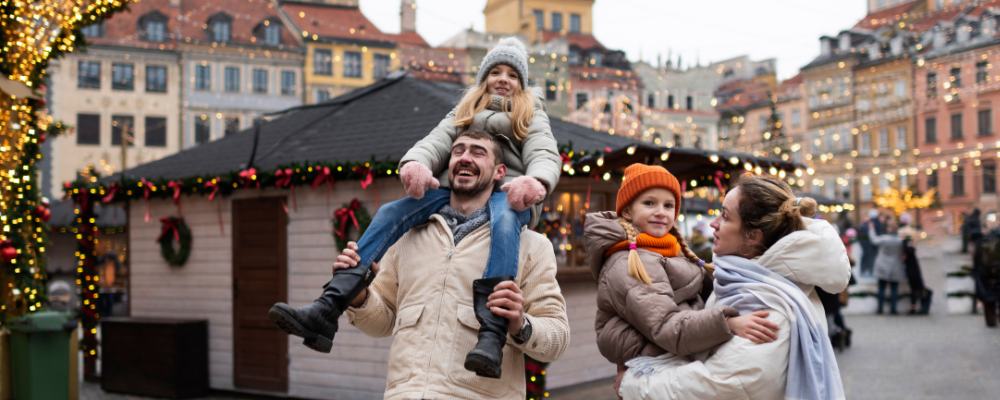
{"points": [[940, 356]]}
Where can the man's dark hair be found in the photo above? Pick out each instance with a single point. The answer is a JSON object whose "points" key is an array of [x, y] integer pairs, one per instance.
{"points": [[477, 134]]}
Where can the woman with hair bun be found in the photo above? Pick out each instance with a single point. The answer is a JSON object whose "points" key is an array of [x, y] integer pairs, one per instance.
{"points": [[769, 254]]}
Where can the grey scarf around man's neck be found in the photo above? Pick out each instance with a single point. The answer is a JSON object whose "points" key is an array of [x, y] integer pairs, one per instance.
{"points": [[462, 225]]}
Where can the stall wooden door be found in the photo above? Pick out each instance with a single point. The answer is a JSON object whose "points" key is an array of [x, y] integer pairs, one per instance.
{"points": [[260, 278]]}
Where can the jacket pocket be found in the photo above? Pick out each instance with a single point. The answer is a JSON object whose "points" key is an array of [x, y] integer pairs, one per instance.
{"points": [[408, 344], [466, 336]]}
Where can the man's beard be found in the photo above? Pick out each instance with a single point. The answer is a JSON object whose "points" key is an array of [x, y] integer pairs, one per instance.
{"points": [[473, 191]]}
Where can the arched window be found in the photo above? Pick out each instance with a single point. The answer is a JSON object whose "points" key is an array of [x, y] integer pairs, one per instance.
{"points": [[268, 32], [220, 27], [153, 27]]}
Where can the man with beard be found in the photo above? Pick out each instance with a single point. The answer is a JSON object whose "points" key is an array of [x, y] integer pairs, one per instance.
{"points": [[423, 294]]}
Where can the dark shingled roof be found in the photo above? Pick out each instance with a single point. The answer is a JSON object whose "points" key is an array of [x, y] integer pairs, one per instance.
{"points": [[378, 122]]}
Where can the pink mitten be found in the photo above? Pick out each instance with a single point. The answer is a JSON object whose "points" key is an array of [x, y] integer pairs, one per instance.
{"points": [[417, 178], [523, 192]]}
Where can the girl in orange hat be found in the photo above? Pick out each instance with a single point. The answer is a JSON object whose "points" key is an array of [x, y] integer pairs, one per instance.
{"points": [[651, 287]]}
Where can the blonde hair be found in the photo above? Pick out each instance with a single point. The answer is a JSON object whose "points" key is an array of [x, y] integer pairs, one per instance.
{"points": [[520, 108], [768, 204], [635, 266]]}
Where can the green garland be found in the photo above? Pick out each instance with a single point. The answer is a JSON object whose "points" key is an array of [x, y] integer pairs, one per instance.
{"points": [[344, 220], [175, 228]]}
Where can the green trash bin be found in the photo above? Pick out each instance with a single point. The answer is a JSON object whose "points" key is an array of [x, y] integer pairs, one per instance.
{"points": [[39, 355]]}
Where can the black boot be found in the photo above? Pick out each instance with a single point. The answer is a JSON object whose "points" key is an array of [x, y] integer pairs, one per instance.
{"points": [[486, 358], [317, 322]]}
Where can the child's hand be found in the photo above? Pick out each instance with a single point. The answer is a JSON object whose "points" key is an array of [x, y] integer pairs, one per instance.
{"points": [[523, 192], [417, 178], [754, 327]]}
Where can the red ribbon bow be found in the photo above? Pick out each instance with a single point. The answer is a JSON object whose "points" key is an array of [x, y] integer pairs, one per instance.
{"points": [[323, 175], [169, 225], [177, 187], [342, 214], [214, 185], [249, 175], [284, 178], [367, 180]]}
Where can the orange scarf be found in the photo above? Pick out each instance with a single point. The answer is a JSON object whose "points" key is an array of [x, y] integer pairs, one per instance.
{"points": [[666, 246]]}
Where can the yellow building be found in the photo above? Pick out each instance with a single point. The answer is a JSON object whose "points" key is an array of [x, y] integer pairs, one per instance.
{"points": [[529, 18], [344, 50]]}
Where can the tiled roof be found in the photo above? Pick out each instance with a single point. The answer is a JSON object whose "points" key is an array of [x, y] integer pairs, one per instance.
{"points": [[411, 38], [379, 122], [887, 16], [334, 22], [187, 22], [584, 41]]}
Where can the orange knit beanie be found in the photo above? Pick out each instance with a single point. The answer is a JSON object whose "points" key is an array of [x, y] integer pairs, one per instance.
{"points": [[639, 177]]}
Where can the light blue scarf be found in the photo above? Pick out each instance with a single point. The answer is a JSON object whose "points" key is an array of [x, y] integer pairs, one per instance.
{"points": [[812, 366]]}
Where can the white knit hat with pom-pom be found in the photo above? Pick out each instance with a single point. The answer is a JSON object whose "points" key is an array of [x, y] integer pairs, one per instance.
{"points": [[508, 51]]}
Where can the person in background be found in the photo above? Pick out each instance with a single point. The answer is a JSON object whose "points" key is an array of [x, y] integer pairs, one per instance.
{"points": [[920, 295], [986, 273], [889, 268], [972, 230], [868, 249]]}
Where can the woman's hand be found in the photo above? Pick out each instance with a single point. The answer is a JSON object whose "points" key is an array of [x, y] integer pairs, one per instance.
{"points": [[754, 327]]}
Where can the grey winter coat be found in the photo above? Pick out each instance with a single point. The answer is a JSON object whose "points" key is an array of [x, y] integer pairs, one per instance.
{"points": [[537, 156], [889, 265]]}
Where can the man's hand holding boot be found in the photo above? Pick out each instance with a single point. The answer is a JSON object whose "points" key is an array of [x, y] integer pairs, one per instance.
{"points": [[506, 301], [349, 258]]}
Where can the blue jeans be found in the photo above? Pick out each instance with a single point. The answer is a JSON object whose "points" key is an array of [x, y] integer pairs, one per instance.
{"points": [[396, 218], [893, 295]]}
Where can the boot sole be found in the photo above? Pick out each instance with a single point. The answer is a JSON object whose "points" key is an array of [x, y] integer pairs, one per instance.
{"points": [[290, 325], [482, 365]]}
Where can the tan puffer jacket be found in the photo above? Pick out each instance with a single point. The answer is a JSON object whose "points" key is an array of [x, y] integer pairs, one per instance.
{"points": [[635, 319]]}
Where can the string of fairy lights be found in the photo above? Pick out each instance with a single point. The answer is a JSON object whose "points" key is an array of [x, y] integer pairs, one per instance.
{"points": [[32, 33]]}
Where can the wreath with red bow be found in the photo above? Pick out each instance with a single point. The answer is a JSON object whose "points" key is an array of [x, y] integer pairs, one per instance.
{"points": [[351, 215], [174, 229]]}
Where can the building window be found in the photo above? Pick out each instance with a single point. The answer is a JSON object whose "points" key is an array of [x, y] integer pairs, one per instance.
{"points": [[574, 23], [981, 73], [232, 79], [581, 99], [930, 130], [287, 83], [323, 62], [88, 129], [865, 143], [153, 27], [901, 137], [932, 180], [557, 22], [232, 125], [122, 126], [259, 80], [93, 30], [989, 177], [352, 64], [88, 75], [550, 91], [985, 122], [955, 76], [670, 101], [381, 67], [269, 32], [219, 26], [883, 140], [958, 181], [651, 100], [122, 76], [539, 20], [931, 85], [202, 77], [202, 129], [156, 78], [796, 118], [956, 126], [156, 132], [689, 102], [900, 88], [322, 95]]}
